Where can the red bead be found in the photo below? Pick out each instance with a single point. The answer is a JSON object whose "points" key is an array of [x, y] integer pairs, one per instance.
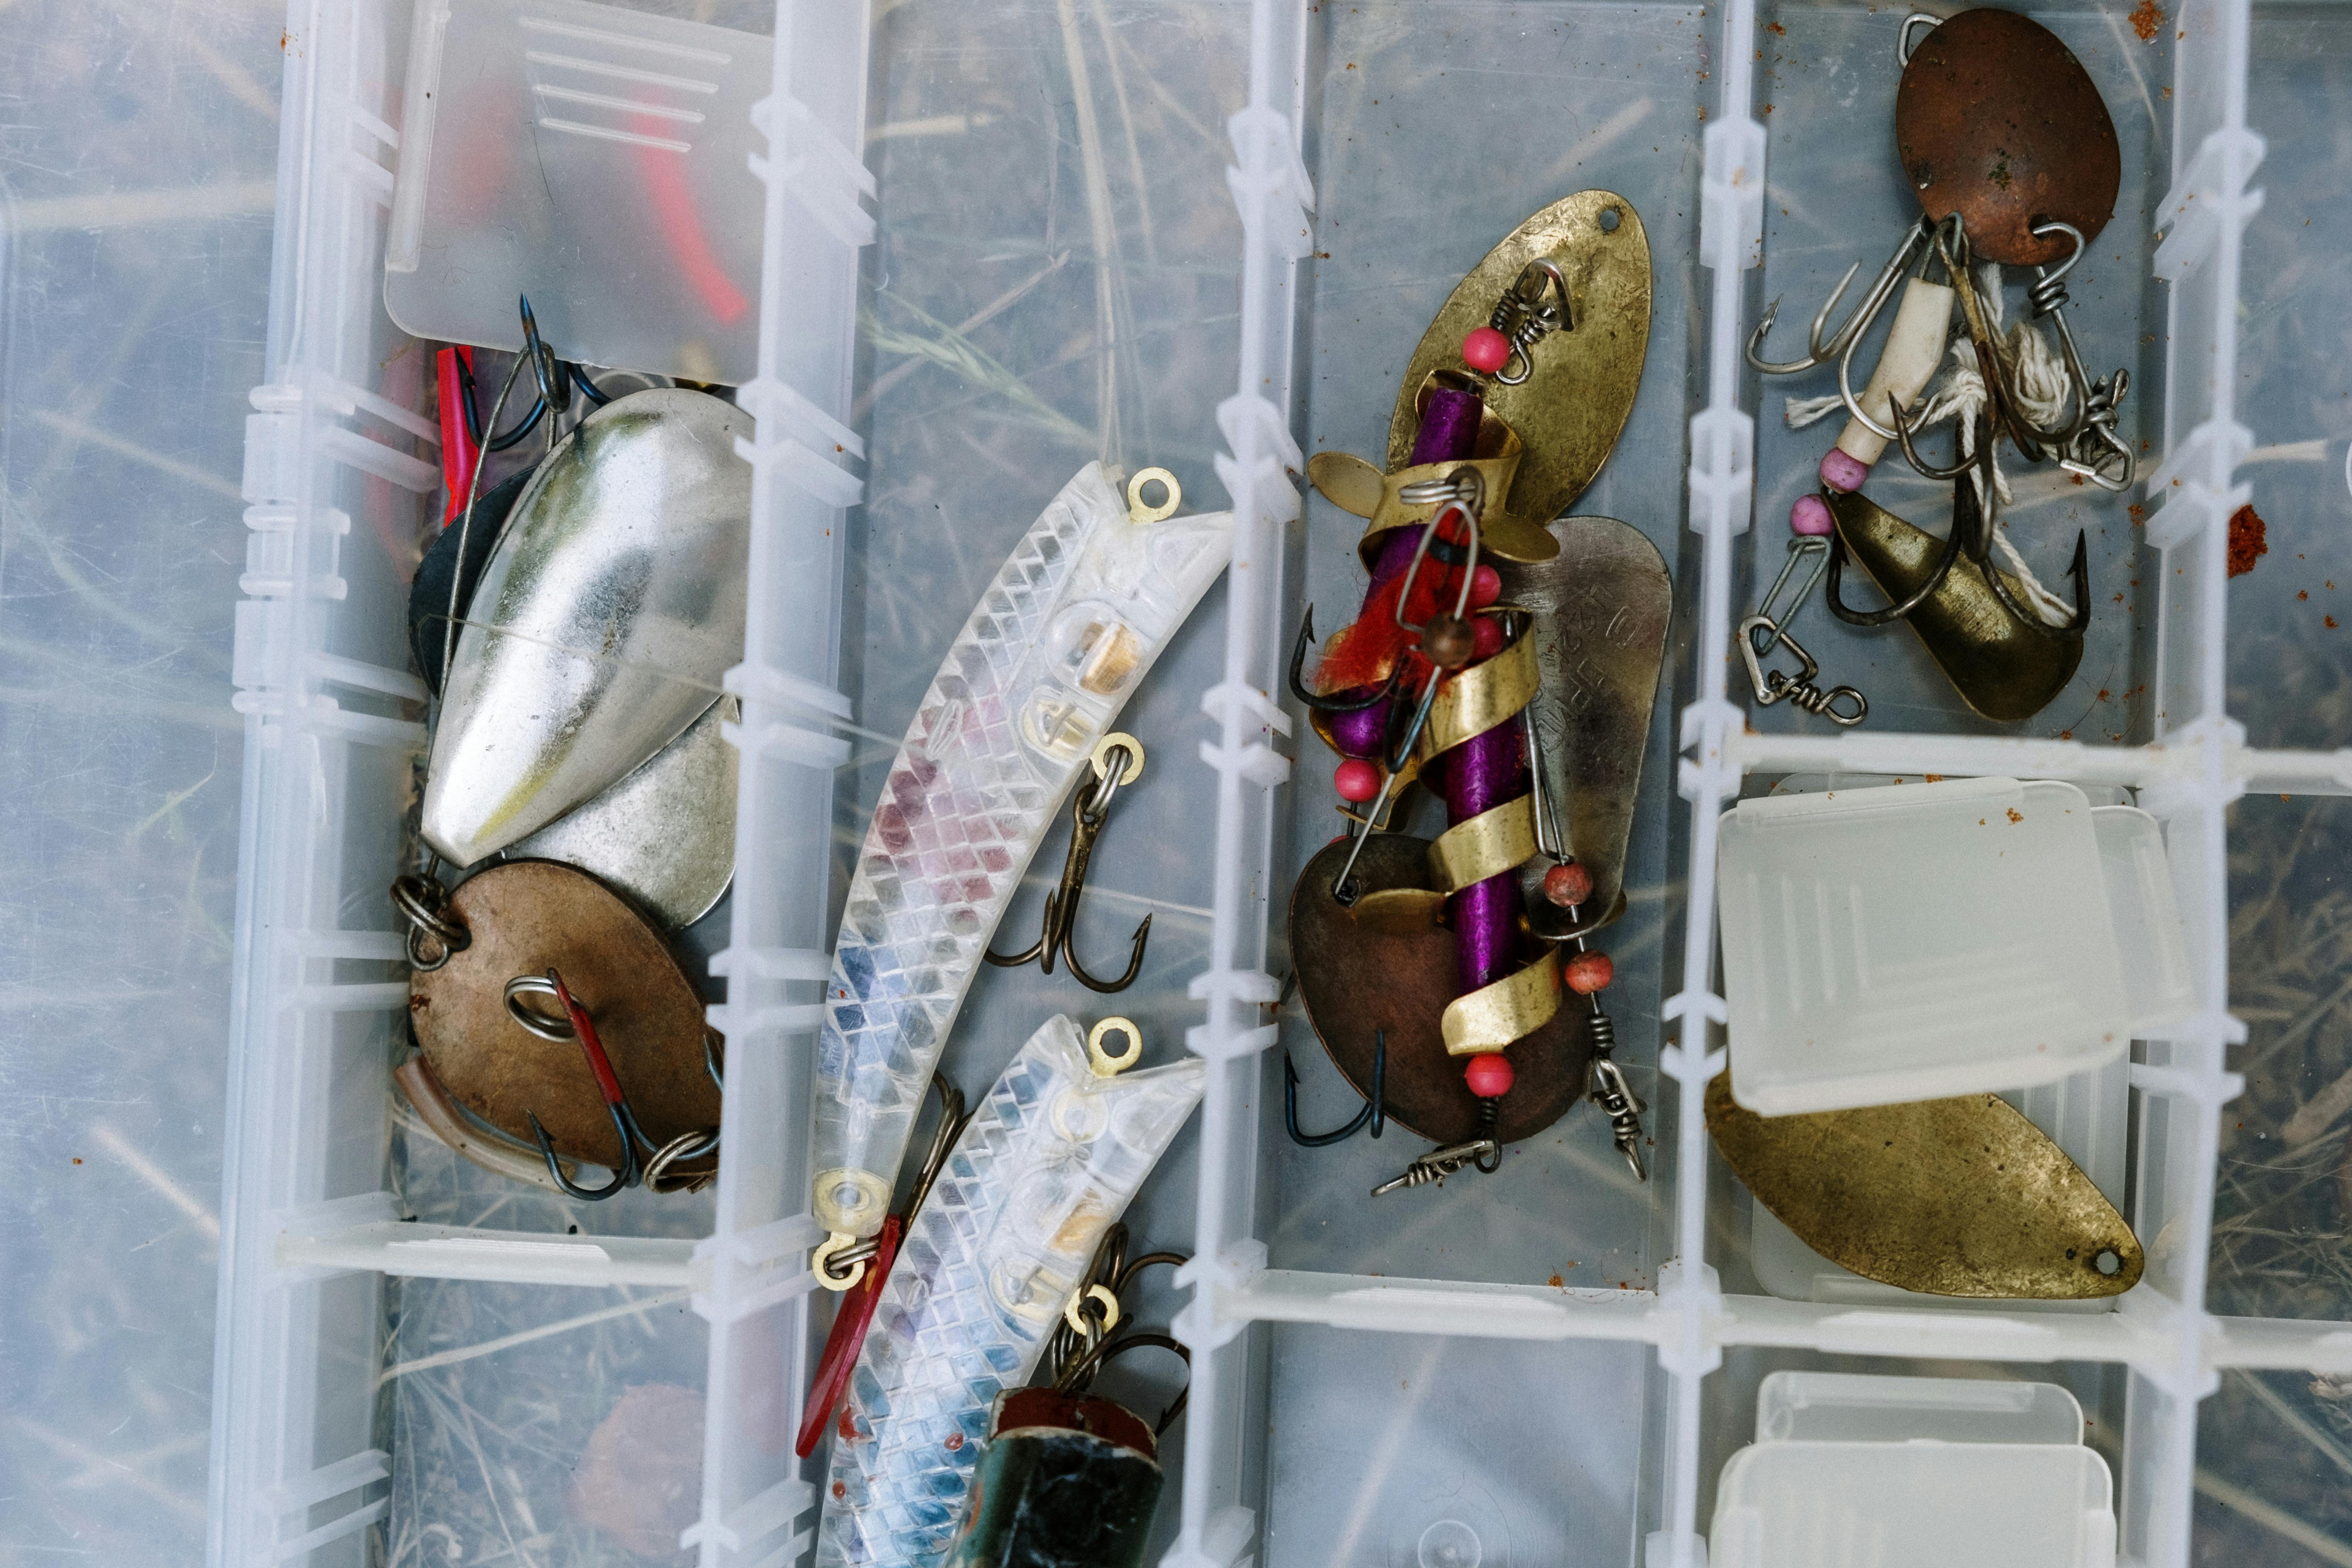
{"points": [[1489, 1075], [1484, 350], [1590, 972], [1485, 588], [1356, 780], [1486, 637], [1568, 885]]}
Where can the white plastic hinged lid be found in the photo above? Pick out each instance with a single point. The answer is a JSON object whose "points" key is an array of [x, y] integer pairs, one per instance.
{"points": [[1901, 943]]}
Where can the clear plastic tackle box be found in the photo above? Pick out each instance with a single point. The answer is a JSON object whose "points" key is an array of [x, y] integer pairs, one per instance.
{"points": [[995, 241]]}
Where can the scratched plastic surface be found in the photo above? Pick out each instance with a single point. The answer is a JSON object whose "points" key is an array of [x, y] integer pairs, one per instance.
{"points": [[1052, 652], [2290, 649], [135, 192], [1045, 1166]]}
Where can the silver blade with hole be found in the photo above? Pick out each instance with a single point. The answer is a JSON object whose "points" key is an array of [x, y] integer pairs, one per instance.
{"points": [[1602, 606]]}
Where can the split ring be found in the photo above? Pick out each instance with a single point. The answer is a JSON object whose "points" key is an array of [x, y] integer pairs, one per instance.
{"points": [[546, 1027]]}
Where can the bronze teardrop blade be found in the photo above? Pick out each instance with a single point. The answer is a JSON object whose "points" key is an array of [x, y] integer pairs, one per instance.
{"points": [[1602, 609], [1995, 120], [525, 916], [1357, 981], [1949, 1197], [1575, 402], [2005, 670]]}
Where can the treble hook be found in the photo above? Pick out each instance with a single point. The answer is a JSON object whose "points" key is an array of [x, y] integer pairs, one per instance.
{"points": [[1974, 518], [1374, 1111], [1821, 351], [1969, 531], [578, 1025], [1118, 759], [1980, 520]]}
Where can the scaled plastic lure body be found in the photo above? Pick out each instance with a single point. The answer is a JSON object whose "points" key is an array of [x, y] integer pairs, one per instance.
{"points": [[1051, 653], [1046, 1165]]}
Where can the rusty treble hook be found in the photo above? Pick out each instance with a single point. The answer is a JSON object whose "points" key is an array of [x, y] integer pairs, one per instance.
{"points": [[1118, 762]]}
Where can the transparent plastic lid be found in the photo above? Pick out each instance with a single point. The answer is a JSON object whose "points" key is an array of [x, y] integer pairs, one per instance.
{"points": [[594, 159], [1913, 1505], [1853, 1408], [1886, 945]]}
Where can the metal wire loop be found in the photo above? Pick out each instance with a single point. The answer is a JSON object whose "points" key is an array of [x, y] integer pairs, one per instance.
{"points": [[424, 903], [1420, 550], [1818, 547], [1463, 487], [2048, 291], [546, 1027], [1903, 45], [1440, 1163], [1526, 316], [677, 1151], [1800, 689]]}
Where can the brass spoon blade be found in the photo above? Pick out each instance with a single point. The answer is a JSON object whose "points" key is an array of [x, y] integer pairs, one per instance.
{"points": [[1575, 403], [1949, 1197], [2005, 670]]}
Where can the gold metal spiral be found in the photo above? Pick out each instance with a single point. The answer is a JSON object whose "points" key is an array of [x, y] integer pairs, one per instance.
{"points": [[1482, 698]]}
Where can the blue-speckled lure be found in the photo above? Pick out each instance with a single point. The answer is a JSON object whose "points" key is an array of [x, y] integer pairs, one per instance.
{"points": [[1045, 1166], [1051, 653]]}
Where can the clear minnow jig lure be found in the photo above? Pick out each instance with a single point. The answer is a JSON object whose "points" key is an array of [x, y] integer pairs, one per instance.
{"points": [[990, 1262], [1024, 699]]}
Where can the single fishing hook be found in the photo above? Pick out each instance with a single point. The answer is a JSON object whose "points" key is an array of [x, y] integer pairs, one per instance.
{"points": [[1373, 1114]]}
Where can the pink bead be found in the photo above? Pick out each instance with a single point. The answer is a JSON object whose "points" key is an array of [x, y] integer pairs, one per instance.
{"points": [[1568, 885], [1489, 1075], [1484, 350], [1843, 471], [1485, 588], [1810, 516], [1356, 780], [1590, 972], [1486, 637]]}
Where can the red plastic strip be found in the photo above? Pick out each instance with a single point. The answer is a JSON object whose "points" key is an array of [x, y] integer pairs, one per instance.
{"points": [[848, 1336], [452, 369], [590, 1046]]}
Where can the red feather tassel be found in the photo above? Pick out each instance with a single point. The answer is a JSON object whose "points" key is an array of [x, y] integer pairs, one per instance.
{"points": [[1364, 653]]}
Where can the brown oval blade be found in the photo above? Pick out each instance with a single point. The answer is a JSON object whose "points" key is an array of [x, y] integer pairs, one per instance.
{"points": [[2005, 670], [1997, 121], [1356, 982], [1950, 1197], [525, 916], [1572, 407]]}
